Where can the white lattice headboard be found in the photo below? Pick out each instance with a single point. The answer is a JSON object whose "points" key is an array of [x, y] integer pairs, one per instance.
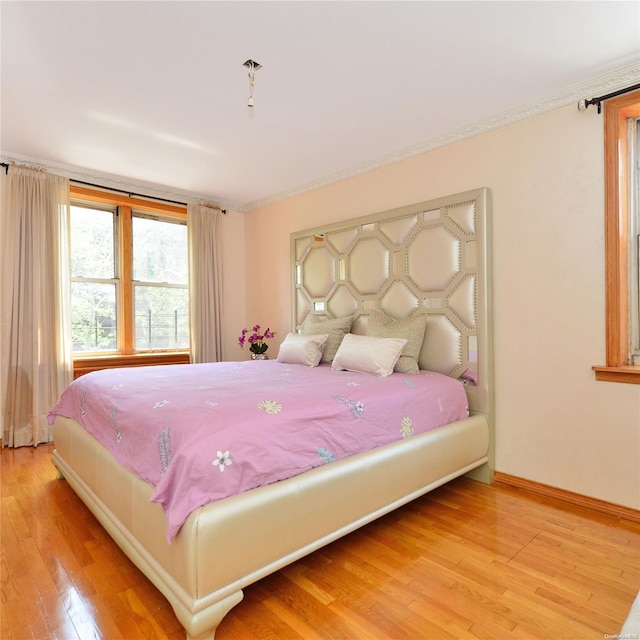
{"points": [[429, 258]]}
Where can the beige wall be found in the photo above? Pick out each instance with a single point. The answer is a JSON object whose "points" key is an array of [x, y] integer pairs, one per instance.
{"points": [[554, 423]]}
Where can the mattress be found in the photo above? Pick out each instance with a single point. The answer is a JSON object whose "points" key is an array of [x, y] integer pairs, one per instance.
{"points": [[204, 432]]}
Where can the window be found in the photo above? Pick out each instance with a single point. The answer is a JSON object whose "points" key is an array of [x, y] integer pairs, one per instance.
{"points": [[622, 141], [129, 281], [634, 245], [160, 283], [94, 278]]}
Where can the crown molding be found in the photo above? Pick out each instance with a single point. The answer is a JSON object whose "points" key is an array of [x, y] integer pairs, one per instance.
{"points": [[109, 181], [601, 85]]}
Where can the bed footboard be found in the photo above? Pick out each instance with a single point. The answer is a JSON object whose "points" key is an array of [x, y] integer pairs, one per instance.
{"points": [[227, 545], [200, 624]]}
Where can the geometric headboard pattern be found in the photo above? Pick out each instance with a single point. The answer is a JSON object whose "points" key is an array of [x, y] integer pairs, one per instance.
{"points": [[430, 258]]}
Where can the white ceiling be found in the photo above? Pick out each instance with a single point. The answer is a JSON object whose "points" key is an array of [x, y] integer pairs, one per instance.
{"points": [[154, 94]]}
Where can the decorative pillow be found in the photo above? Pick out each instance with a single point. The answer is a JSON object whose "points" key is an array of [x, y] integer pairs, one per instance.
{"points": [[411, 329], [307, 350], [368, 354], [336, 329]]}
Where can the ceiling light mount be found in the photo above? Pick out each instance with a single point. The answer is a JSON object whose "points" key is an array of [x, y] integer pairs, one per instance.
{"points": [[253, 66]]}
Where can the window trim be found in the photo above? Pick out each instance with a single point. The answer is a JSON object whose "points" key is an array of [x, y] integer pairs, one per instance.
{"points": [[92, 362], [108, 197], [617, 112]]}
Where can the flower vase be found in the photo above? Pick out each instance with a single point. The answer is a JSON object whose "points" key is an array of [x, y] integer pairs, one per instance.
{"points": [[259, 356]]}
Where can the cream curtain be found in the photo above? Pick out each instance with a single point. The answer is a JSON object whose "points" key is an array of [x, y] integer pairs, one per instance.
{"points": [[205, 282], [35, 345]]}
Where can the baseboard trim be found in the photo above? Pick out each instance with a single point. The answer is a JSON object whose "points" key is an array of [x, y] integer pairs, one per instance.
{"points": [[619, 511]]}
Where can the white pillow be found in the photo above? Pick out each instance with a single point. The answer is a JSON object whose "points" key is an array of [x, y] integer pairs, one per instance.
{"points": [[368, 354], [298, 349]]}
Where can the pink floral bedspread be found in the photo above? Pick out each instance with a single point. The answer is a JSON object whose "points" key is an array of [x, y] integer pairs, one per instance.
{"points": [[207, 431]]}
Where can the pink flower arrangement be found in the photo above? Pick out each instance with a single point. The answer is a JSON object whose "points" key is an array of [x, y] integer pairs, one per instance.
{"points": [[256, 340]]}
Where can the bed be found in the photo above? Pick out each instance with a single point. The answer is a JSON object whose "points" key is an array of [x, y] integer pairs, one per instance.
{"points": [[425, 265]]}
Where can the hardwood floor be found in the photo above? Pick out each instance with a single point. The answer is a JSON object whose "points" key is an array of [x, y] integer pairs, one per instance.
{"points": [[465, 561]]}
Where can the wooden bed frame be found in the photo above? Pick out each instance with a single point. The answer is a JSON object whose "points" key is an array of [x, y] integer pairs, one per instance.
{"points": [[229, 544]]}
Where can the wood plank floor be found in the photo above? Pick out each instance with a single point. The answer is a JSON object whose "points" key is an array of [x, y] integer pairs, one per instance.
{"points": [[465, 561]]}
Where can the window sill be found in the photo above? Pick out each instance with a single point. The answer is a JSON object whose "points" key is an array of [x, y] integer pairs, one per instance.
{"points": [[629, 374], [82, 365]]}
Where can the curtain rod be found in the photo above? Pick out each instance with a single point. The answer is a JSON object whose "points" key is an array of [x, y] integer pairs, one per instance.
{"points": [[129, 193], [584, 104]]}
